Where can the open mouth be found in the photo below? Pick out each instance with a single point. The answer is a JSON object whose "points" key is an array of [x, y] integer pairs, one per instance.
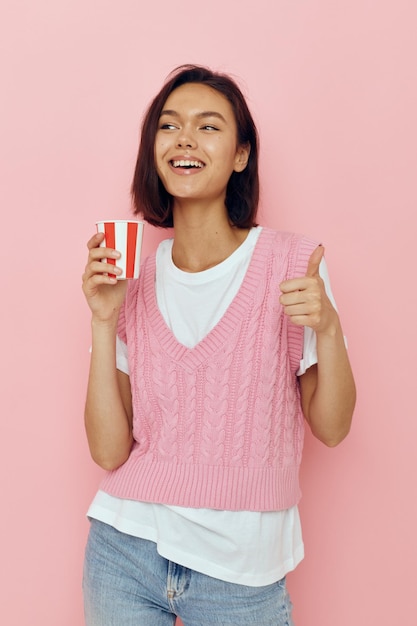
{"points": [[187, 164]]}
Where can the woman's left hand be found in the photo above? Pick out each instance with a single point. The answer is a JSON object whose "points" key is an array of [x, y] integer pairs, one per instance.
{"points": [[305, 300], [327, 388]]}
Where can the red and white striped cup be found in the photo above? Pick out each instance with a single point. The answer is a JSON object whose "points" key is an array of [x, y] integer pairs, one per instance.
{"points": [[125, 236]]}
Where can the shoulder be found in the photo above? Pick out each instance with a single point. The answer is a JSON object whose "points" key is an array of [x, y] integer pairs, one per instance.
{"points": [[295, 248], [285, 236], [145, 282]]}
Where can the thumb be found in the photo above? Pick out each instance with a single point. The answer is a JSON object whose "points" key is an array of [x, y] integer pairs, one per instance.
{"points": [[314, 261]]}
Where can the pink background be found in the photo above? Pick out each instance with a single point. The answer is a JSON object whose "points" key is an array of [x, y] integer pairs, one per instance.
{"points": [[332, 85]]}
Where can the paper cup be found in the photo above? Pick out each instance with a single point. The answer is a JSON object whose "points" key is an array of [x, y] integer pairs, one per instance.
{"points": [[125, 236]]}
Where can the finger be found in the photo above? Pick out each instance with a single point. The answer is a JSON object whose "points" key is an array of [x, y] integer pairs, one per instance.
{"points": [[314, 261], [98, 251], [99, 269], [96, 254], [103, 267], [294, 296], [301, 320], [302, 308], [90, 283], [295, 284], [95, 240]]}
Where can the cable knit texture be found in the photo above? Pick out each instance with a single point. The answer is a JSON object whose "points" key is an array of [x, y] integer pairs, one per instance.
{"points": [[219, 425]]}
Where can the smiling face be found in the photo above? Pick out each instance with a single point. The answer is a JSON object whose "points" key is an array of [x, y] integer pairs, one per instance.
{"points": [[196, 148]]}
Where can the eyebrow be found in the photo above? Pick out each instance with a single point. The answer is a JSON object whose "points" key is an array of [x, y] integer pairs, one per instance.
{"points": [[198, 116]]}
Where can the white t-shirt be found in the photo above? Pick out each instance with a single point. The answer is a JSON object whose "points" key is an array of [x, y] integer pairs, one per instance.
{"points": [[244, 547]]}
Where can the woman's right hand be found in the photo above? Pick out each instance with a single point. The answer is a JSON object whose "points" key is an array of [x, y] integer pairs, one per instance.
{"points": [[103, 292]]}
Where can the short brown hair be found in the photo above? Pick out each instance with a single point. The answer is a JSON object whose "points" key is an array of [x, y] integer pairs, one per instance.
{"points": [[151, 199]]}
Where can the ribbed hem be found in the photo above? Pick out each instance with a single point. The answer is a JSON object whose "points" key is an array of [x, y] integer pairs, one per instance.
{"points": [[213, 487]]}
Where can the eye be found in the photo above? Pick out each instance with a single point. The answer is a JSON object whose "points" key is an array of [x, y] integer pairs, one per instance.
{"points": [[167, 126], [209, 127]]}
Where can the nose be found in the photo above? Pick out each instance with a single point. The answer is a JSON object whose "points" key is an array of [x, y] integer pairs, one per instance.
{"points": [[185, 143], [185, 139]]}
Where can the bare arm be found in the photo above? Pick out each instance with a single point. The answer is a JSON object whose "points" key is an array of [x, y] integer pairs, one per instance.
{"points": [[328, 392], [108, 409]]}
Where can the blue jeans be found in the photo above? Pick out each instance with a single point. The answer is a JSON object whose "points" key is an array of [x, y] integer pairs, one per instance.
{"points": [[127, 583]]}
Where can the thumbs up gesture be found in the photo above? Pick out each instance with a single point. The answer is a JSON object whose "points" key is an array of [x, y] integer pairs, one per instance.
{"points": [[305, 300]]}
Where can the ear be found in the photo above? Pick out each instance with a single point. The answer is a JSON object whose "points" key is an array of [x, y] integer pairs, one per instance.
{"points": [[242, 157]]}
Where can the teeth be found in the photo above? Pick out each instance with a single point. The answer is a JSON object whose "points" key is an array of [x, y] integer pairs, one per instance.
{"points": [[184, 163]]}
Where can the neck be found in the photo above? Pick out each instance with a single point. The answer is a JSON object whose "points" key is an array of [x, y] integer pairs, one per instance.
{"points": [[203, 238]]}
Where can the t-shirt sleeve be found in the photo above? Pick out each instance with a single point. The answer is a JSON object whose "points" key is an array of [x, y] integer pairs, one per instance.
{"points": [[122, 362], [310, 340]]}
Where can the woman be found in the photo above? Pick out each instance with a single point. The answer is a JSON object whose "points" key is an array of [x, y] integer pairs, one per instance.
{"points": [[201, 373]]}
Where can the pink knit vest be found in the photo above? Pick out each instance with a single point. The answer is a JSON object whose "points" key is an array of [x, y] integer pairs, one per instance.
{"points": [[220, 425]]}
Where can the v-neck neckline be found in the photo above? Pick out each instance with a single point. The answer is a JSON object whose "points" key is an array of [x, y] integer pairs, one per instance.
{"points": [[228, 323]]}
